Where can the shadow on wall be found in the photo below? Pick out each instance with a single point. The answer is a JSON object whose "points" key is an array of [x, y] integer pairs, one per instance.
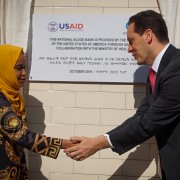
{"points": [[136, 171], [35, 115], [35, 118], [139, 76]]}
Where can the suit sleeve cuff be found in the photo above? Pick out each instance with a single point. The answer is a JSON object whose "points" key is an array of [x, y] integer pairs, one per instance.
{"points": [[107, 136]]}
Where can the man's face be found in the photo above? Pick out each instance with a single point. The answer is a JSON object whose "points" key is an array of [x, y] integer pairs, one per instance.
{"points": [[137, 45]]}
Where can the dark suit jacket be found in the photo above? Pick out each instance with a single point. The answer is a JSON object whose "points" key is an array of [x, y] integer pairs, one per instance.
{"points": [[157, 115]]}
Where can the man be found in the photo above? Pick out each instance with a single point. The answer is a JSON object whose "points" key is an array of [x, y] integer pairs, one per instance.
{"points": [[159, 112]]}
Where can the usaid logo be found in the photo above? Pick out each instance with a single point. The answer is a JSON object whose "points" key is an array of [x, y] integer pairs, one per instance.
{"points": [[52, 26], [127, 25], [71, 26]]}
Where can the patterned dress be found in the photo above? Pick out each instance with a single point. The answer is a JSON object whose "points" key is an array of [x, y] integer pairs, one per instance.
{"points": [[14, 137]]}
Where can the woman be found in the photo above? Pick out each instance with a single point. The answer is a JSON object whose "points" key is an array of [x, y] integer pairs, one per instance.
{"points": [[14, 134]]}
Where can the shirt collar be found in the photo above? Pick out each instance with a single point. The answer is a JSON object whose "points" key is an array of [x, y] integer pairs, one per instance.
{"points": [[157, 60]]}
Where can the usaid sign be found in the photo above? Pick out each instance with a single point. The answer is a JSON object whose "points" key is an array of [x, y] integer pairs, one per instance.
{"points": [[82, 48]]}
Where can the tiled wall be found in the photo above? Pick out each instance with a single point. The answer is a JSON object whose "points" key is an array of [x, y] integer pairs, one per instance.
{"points": [[64, 110]]}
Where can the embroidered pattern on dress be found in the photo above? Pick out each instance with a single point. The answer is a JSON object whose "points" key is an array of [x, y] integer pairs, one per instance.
{"points": [[11, 125], [9, 174], [11, 154], [52, 146]]}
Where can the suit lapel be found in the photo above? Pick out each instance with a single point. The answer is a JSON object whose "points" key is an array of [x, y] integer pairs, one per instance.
{"points": [[163, 64]]}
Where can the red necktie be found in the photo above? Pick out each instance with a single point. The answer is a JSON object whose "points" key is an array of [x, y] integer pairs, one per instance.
{"points": [[152, 78]]}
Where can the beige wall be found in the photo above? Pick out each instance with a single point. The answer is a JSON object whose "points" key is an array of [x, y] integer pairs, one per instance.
{"points": [[67, 109]]}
